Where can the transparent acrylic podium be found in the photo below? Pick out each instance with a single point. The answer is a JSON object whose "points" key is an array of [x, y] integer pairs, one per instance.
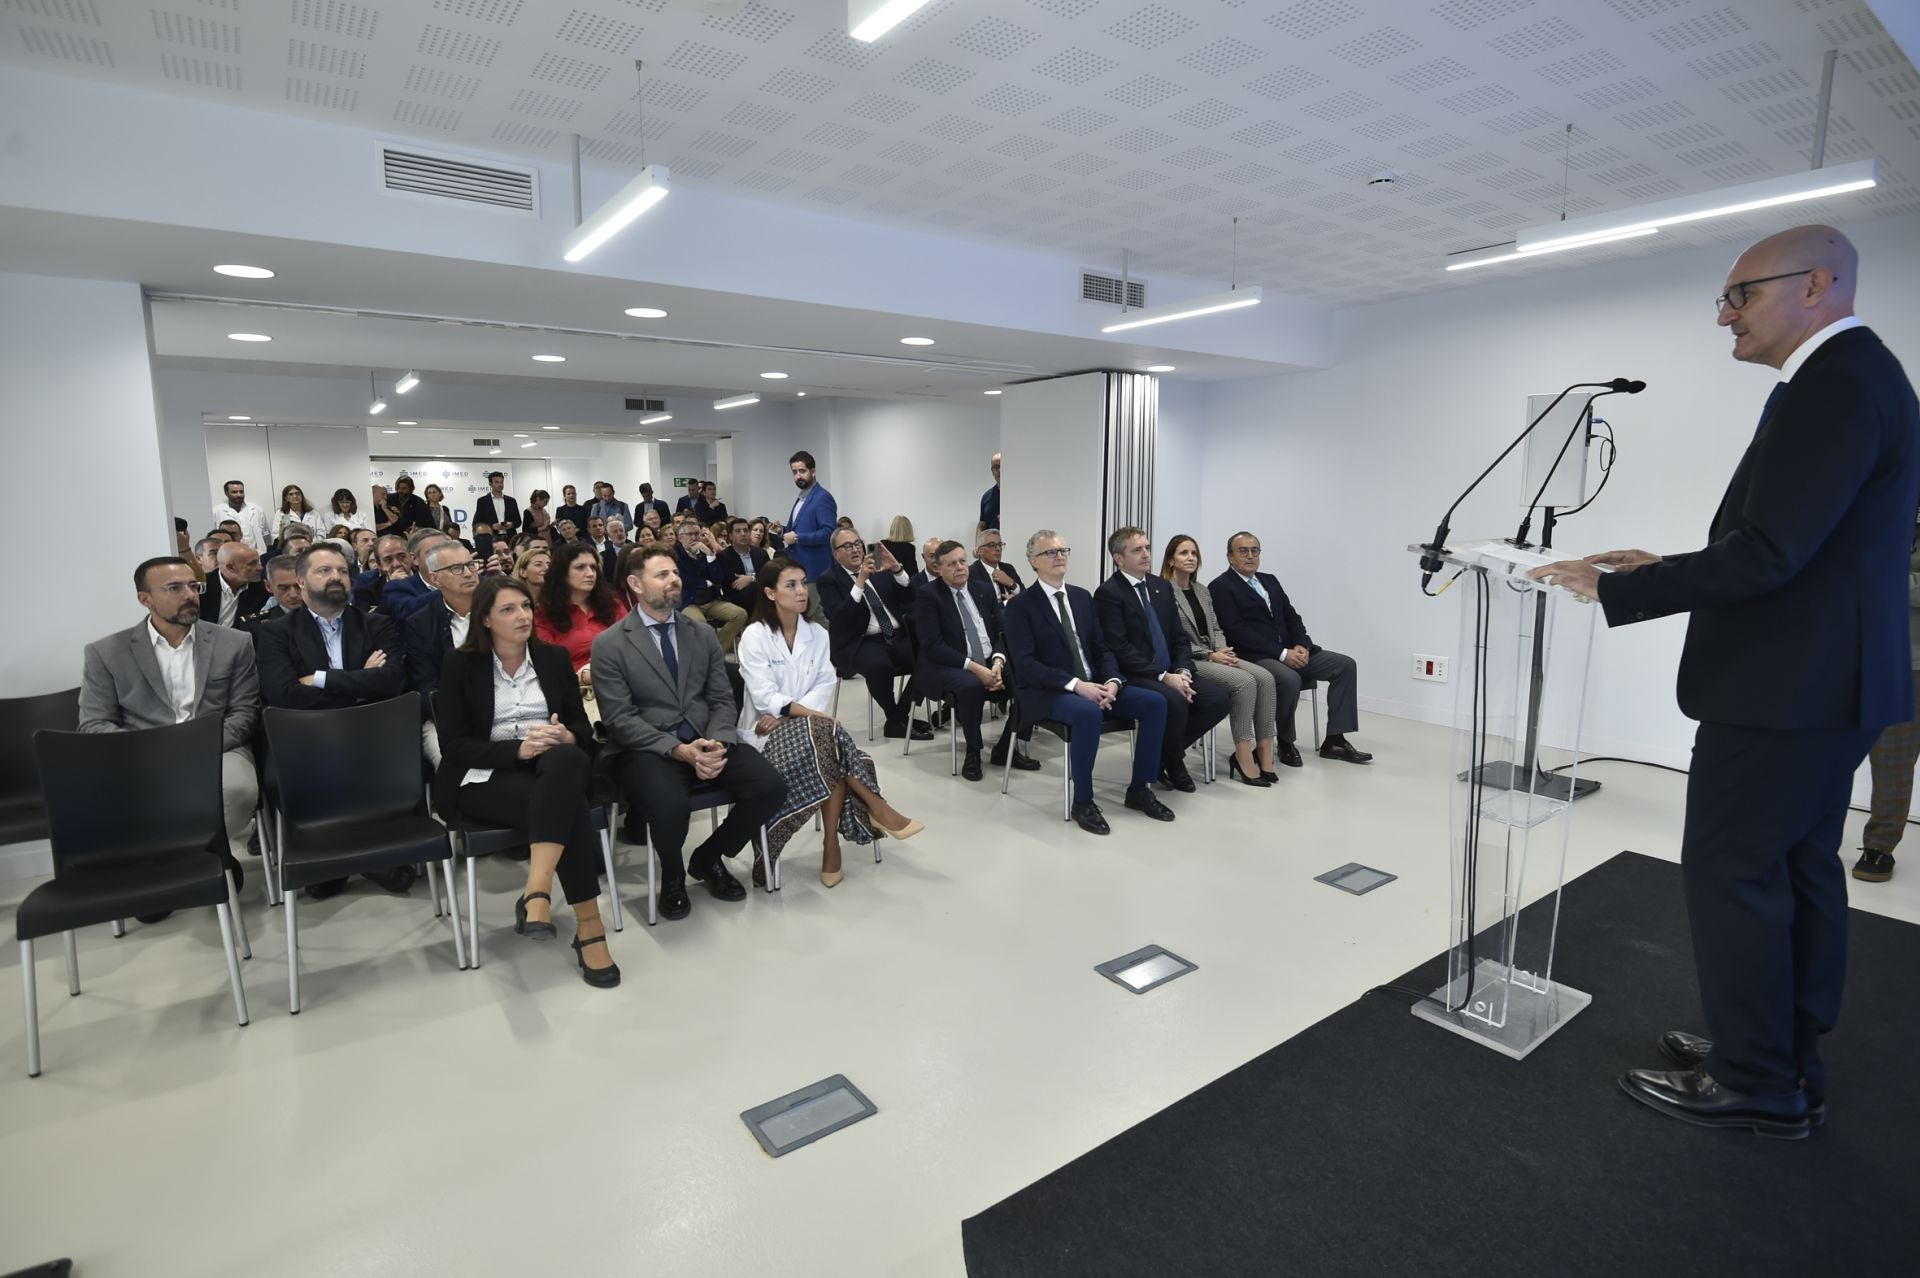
{"points": [[1520, 670]]}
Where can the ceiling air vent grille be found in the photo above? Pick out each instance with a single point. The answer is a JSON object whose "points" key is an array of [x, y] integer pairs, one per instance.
{"points": [[448, 178], [646, 405], [1095, 287], [486, 443]]}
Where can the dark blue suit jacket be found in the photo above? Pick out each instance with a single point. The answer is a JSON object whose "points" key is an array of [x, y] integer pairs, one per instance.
{"points": [[813, 549], [1042, 662], [1799, 599], [938, 633], [1125, 624], [1254, 630]]}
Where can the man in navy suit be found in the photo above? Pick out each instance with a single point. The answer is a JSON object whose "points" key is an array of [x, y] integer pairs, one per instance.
{"points": [[1795, 659], [1260, 625], [962, 642], [496, 512], [867, 599], [1150, 645], [810, 525], [1065, 672]]}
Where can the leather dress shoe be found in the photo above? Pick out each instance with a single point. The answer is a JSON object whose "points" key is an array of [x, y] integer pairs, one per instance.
{"points": [[1021, 763], [921, 732], [1089, 818], [1288, 753], [1692, 1096], [1025, 763], [161, 917], [723, 885], [400, 879], [970, 766], [1343, 749], [1178, 778], [1141, 798], [330, 888], [1874, 866], [1690, 1051], [673, 901]]}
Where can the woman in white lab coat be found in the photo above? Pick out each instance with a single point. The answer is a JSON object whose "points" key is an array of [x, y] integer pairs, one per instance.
{"points": [[789, 677]]}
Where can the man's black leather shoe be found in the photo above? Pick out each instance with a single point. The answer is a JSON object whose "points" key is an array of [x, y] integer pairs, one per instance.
{"points": [[894, 731], [400, 879], [1178, 778], [1690, 1051], [1288, 754], [322, 891], [970, 766], [1141, 798], [673, 901], [1024, 763], [921, 732], [723, 885], [1341, 748], [161, 917], [1089, 818], [1692, 1096]]}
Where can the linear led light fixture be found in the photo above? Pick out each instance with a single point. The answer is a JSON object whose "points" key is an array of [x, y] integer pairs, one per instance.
{"points": [[406, 383], [647, 189], [1232, 300], [657, 418], [1510, 252], [738, 401], [868, 20], [378, 406]]}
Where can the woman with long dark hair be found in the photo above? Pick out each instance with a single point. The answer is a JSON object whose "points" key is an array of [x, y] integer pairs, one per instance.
{"points": [[294, 509], [576, 604], [786, 663], [345, 509]]}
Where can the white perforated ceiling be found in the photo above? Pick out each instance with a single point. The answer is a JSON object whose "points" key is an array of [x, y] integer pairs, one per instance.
{"points": [[1086, 126]]}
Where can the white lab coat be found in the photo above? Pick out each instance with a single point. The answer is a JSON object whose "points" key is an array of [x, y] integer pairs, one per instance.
{"points": [[773, 676], [252, 521]]}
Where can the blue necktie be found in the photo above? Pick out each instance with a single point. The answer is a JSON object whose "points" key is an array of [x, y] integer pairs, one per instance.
{"points": [[684, 729], [1774, 398], [1161, 658]]}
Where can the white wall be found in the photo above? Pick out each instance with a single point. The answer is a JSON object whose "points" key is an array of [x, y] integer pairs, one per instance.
{"points": [[267, 457], [1340, 469], [926, 459], [1053, 438], [79, 408]]}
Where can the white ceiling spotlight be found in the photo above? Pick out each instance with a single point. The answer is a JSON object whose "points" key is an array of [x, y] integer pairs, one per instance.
{"points": [[378, 406], [248, 337], [244, 272], [801, 394], [237, 417], [549, 428], [406, 383], [1159, 368], [868, 20], [916, 341], [656, 419], [405, 424], [551, 359], [389, 432], [647, 189], [737, 401], [775, 377], [664, 440], [990, 392], [646, 312]]}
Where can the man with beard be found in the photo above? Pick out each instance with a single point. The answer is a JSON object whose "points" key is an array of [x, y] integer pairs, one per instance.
{"points": [[670, 718], [173, 667], [248, 518], [810, 527], [327, 654], [402, 511]]}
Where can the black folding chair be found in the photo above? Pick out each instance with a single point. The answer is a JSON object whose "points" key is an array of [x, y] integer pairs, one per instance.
{"points": [[154, 841], [23, 812], [347, 797]]}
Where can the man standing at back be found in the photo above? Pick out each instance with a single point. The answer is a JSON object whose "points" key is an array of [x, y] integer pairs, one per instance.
{"points": [[810, 525], [496, 512], [252, 520], [1795, 659]]}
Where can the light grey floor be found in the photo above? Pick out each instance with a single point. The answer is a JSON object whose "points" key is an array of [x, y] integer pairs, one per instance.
{"points": [[415, 1120]]}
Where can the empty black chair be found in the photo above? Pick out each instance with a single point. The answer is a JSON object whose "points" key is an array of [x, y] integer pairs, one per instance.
{"points": [[1108, 726], [347, 800], [138, 828], [23, 813]]}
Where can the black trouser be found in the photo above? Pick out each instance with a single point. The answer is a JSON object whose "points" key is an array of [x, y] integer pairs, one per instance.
{"points": [[880, 661], [1767, 897], [661, 786], [1187, 721], [970, 700], [547, 797]]}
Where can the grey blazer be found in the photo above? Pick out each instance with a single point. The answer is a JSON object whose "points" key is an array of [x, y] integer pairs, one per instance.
{"points": [[121, 687], [640, 705], [1189, 623]]}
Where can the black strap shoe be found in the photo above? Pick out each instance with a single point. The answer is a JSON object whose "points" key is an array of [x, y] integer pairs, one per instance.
{"points": [[601, 978], [532, 927], [1289, 754], [1178, 778], [1341, 748], [1141, 798], [673, 901], [1693, 1096], [970, 766], [723, 885], [1874, 866], [1089, 818]]}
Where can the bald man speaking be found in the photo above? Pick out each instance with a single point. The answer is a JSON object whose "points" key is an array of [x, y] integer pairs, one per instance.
{"points": [[1795, 659]]}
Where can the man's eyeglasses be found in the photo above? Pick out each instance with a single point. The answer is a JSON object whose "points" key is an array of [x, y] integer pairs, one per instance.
{"points": [[1247, 552], [992, 545], [181, 588], [1737, 295], [468, 569], [1057, 552]]}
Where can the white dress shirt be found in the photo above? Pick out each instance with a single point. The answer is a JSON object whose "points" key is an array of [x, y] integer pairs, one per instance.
{"points": [[457, 626], [229, 603], [176, 669], [1805, 350], [518, 704], [773, 676], [876, 605], [253, 523]]}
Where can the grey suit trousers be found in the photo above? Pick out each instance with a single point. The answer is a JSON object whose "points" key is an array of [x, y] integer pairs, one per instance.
{"points": [[1337, 672]]}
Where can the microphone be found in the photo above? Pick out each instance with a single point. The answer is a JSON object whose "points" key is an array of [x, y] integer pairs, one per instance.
{"points": [[1430, 562]]}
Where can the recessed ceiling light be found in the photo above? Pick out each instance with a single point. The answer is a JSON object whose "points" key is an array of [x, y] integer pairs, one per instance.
{"points": [[916, 341], [244, 272], [991, 392], [406, 424], [493, 452], [234, 417], [868, 20], [549, 428], [1159, 368], [801, 394], [646, 312], [775, 377], [519, 434], [666, 439], [551, 359], [389, 432], [248, 337]]}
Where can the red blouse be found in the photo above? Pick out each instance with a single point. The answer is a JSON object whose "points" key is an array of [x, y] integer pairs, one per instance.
{"points": [[579, 640]]}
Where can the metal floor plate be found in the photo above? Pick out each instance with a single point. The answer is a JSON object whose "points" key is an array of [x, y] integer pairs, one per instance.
{"points": [[802, 1117], [1355, 878], [1147, 968]]}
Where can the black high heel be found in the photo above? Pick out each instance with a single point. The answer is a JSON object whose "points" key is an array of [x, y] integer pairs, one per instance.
{"points": [[1233, 766], [532, 927], [603, 978]]}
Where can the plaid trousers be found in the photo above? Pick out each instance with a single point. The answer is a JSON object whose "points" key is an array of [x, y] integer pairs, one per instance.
{"points": [[1892, 760]]}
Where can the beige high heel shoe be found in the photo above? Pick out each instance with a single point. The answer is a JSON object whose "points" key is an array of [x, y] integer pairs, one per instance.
{"points": [[831, 877], [906, 831]]}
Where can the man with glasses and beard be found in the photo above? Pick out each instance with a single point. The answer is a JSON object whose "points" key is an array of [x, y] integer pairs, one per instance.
{"points": [[173, 667]]}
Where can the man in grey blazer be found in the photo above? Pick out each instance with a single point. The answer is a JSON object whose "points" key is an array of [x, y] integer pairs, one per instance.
{"points": [[671, 723], [173, 667]]}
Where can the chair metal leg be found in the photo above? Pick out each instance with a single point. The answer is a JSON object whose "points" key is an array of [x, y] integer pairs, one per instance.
{"points": [[119, 927], [1006, 771], [287, 903], [1066, 788], [713, 819], [613, 885], [73, 964], [450, 869], [264, 821], [33, 1009], [240, 918], [1313, 699], [473, 916], [233, 962], [953, 744], [433, 888], [653, 894], [277, 881]]}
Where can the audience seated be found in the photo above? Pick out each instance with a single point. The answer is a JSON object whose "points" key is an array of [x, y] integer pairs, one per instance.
{"points": [[700, 596], [786, 665], [614, 546], [206, 553], [988, 548], [516, 752], [294, 538], [1261, 626], [867, 601], [283, 585], [1247, 683], [235, 593], [738, 564], [577, 604], [1065, 672], [900, 541], [963, 653], [531, 565], [363, 540], [437, 627], [401, 597], [403, 512], [1143, 631], [392, 562], [669, 713]]}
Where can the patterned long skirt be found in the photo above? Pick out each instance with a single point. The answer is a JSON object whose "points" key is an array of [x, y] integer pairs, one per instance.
{"points": [[815, 755]]}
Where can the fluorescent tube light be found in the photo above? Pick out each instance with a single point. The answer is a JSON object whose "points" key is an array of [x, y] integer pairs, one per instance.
{"points": [[531, 443], [549, 428], [406, 383], [1159, 368], [377, 407], [248, 337], [244, 272], [405, 424], [656, 419], [868, 20], [1229, 301], [647, 189], [1509, 253], [738, 401], [232, 417]]}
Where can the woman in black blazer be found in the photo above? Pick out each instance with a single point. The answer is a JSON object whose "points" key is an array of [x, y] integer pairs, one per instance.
{"points": [[514, 744]]}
